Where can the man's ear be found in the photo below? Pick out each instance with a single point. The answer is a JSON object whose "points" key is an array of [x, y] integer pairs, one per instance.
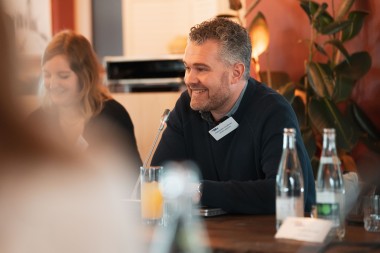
{"points": [[238, 72]]}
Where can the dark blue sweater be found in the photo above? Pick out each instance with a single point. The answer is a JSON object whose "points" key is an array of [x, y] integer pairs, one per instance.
{"points": [[239, 170]]}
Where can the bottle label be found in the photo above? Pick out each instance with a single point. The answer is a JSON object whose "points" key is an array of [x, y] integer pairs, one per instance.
{"points": [[289, 207], [329, 160], [329, 207], [326, 197]]}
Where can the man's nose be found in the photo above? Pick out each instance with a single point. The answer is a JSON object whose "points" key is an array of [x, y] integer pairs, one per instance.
{"points": [[190, 77]]}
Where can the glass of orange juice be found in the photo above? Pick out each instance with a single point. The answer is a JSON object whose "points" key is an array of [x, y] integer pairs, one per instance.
{"points": [[152, 202]]}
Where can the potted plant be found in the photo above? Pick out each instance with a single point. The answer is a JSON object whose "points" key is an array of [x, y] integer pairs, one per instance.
{"points": [[331, 74]]}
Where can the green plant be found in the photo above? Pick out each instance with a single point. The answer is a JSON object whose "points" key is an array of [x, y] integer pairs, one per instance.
{"points": [[329, 81]]}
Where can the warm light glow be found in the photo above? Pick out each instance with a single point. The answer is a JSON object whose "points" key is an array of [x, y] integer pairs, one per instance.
{"points": [[258, 31], [259, 34], [260, 41]]}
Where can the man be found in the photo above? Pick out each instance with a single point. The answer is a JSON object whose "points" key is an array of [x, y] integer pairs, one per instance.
{"points": [[239, 157]]}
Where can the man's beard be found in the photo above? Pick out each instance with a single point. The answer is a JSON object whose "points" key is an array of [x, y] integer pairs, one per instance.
{"points": [[216, 100]]}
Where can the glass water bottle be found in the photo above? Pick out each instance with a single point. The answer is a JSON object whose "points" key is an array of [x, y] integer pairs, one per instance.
{"points": [[289, 181], [330, 188]]}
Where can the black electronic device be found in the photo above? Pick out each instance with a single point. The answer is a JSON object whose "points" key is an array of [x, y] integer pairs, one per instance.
{"points": [[126, 74]]}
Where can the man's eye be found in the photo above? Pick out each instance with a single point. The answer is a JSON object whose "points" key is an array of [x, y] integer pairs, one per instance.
{"points": [[64, 76]]}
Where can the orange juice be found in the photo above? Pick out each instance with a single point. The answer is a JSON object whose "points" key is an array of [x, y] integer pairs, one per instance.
{"points": [[151, 201]]}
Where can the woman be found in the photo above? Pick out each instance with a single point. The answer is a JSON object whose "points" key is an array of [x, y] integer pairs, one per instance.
{"points": [[77, 110], [52, 200]]}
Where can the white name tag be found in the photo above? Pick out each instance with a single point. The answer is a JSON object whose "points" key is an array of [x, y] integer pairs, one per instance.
{"points": [[304, 229], [224, 128]]}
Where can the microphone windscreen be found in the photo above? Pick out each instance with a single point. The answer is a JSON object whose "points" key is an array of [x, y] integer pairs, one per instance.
{"points": [[165, 116]]}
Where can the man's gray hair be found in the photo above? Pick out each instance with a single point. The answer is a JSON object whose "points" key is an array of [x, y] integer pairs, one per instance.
{"points": [[234, 41]]}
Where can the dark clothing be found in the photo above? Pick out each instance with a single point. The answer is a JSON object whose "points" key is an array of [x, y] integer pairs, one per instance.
{"points": [[118, 120], [111, 127], [238, 171]]}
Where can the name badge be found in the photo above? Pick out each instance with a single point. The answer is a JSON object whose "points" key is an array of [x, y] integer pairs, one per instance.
{"points": [[224, 128]]}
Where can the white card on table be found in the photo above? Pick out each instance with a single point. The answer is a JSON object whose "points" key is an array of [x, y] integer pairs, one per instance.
{"points": [[304, 229], [224, 128]]}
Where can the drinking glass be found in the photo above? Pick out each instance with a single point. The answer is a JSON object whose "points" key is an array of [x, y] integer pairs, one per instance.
{"points": [[152, 203], [371, 211]]}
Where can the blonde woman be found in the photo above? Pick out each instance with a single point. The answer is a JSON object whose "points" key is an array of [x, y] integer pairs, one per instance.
{"points": [[77, 110]]}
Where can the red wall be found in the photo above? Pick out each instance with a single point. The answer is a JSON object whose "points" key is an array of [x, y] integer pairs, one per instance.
{"points": [[367, 91], [287, 26], [62, 15]]}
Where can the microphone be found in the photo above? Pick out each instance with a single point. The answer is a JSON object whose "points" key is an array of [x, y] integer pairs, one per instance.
{"points": [[164, 119]]}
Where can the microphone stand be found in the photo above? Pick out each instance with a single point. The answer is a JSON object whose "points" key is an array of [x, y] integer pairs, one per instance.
{"points": [[164, 119]]}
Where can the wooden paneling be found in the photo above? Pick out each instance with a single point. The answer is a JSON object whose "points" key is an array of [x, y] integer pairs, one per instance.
{"points": [[145, 110]]}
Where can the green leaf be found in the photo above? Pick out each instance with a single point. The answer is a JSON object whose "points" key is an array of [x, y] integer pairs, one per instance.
{"points": [[319, 80], [357, 18], [320, 49], [321, 10], [310, 7], [288, 91], [328, 79], [334, 27], [322, 21], [344, 7], [339, 45], [315, 79], [357, 66], [343, 88], [364, 122], [299, 109], [324, 113], [318, 16], [308, 138]]}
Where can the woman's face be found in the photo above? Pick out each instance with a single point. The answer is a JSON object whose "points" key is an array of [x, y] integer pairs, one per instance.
{"points": [[61, 82]]}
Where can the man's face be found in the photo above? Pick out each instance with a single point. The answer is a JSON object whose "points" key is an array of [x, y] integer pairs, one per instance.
{"points": [[207, 77]]}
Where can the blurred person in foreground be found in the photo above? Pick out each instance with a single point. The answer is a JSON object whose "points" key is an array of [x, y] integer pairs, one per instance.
{"points": [[239, 170], [77, 110], [51, 199]]}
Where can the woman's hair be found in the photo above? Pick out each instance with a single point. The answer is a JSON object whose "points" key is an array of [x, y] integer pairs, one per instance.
{"points": [[83, 61], [235, 45]]}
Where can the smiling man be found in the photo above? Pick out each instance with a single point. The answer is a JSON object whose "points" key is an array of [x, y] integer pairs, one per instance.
{"points": [[229, 124]]}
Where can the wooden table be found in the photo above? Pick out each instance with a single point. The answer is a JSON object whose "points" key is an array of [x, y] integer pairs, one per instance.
{"points": [[250, 233]]}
